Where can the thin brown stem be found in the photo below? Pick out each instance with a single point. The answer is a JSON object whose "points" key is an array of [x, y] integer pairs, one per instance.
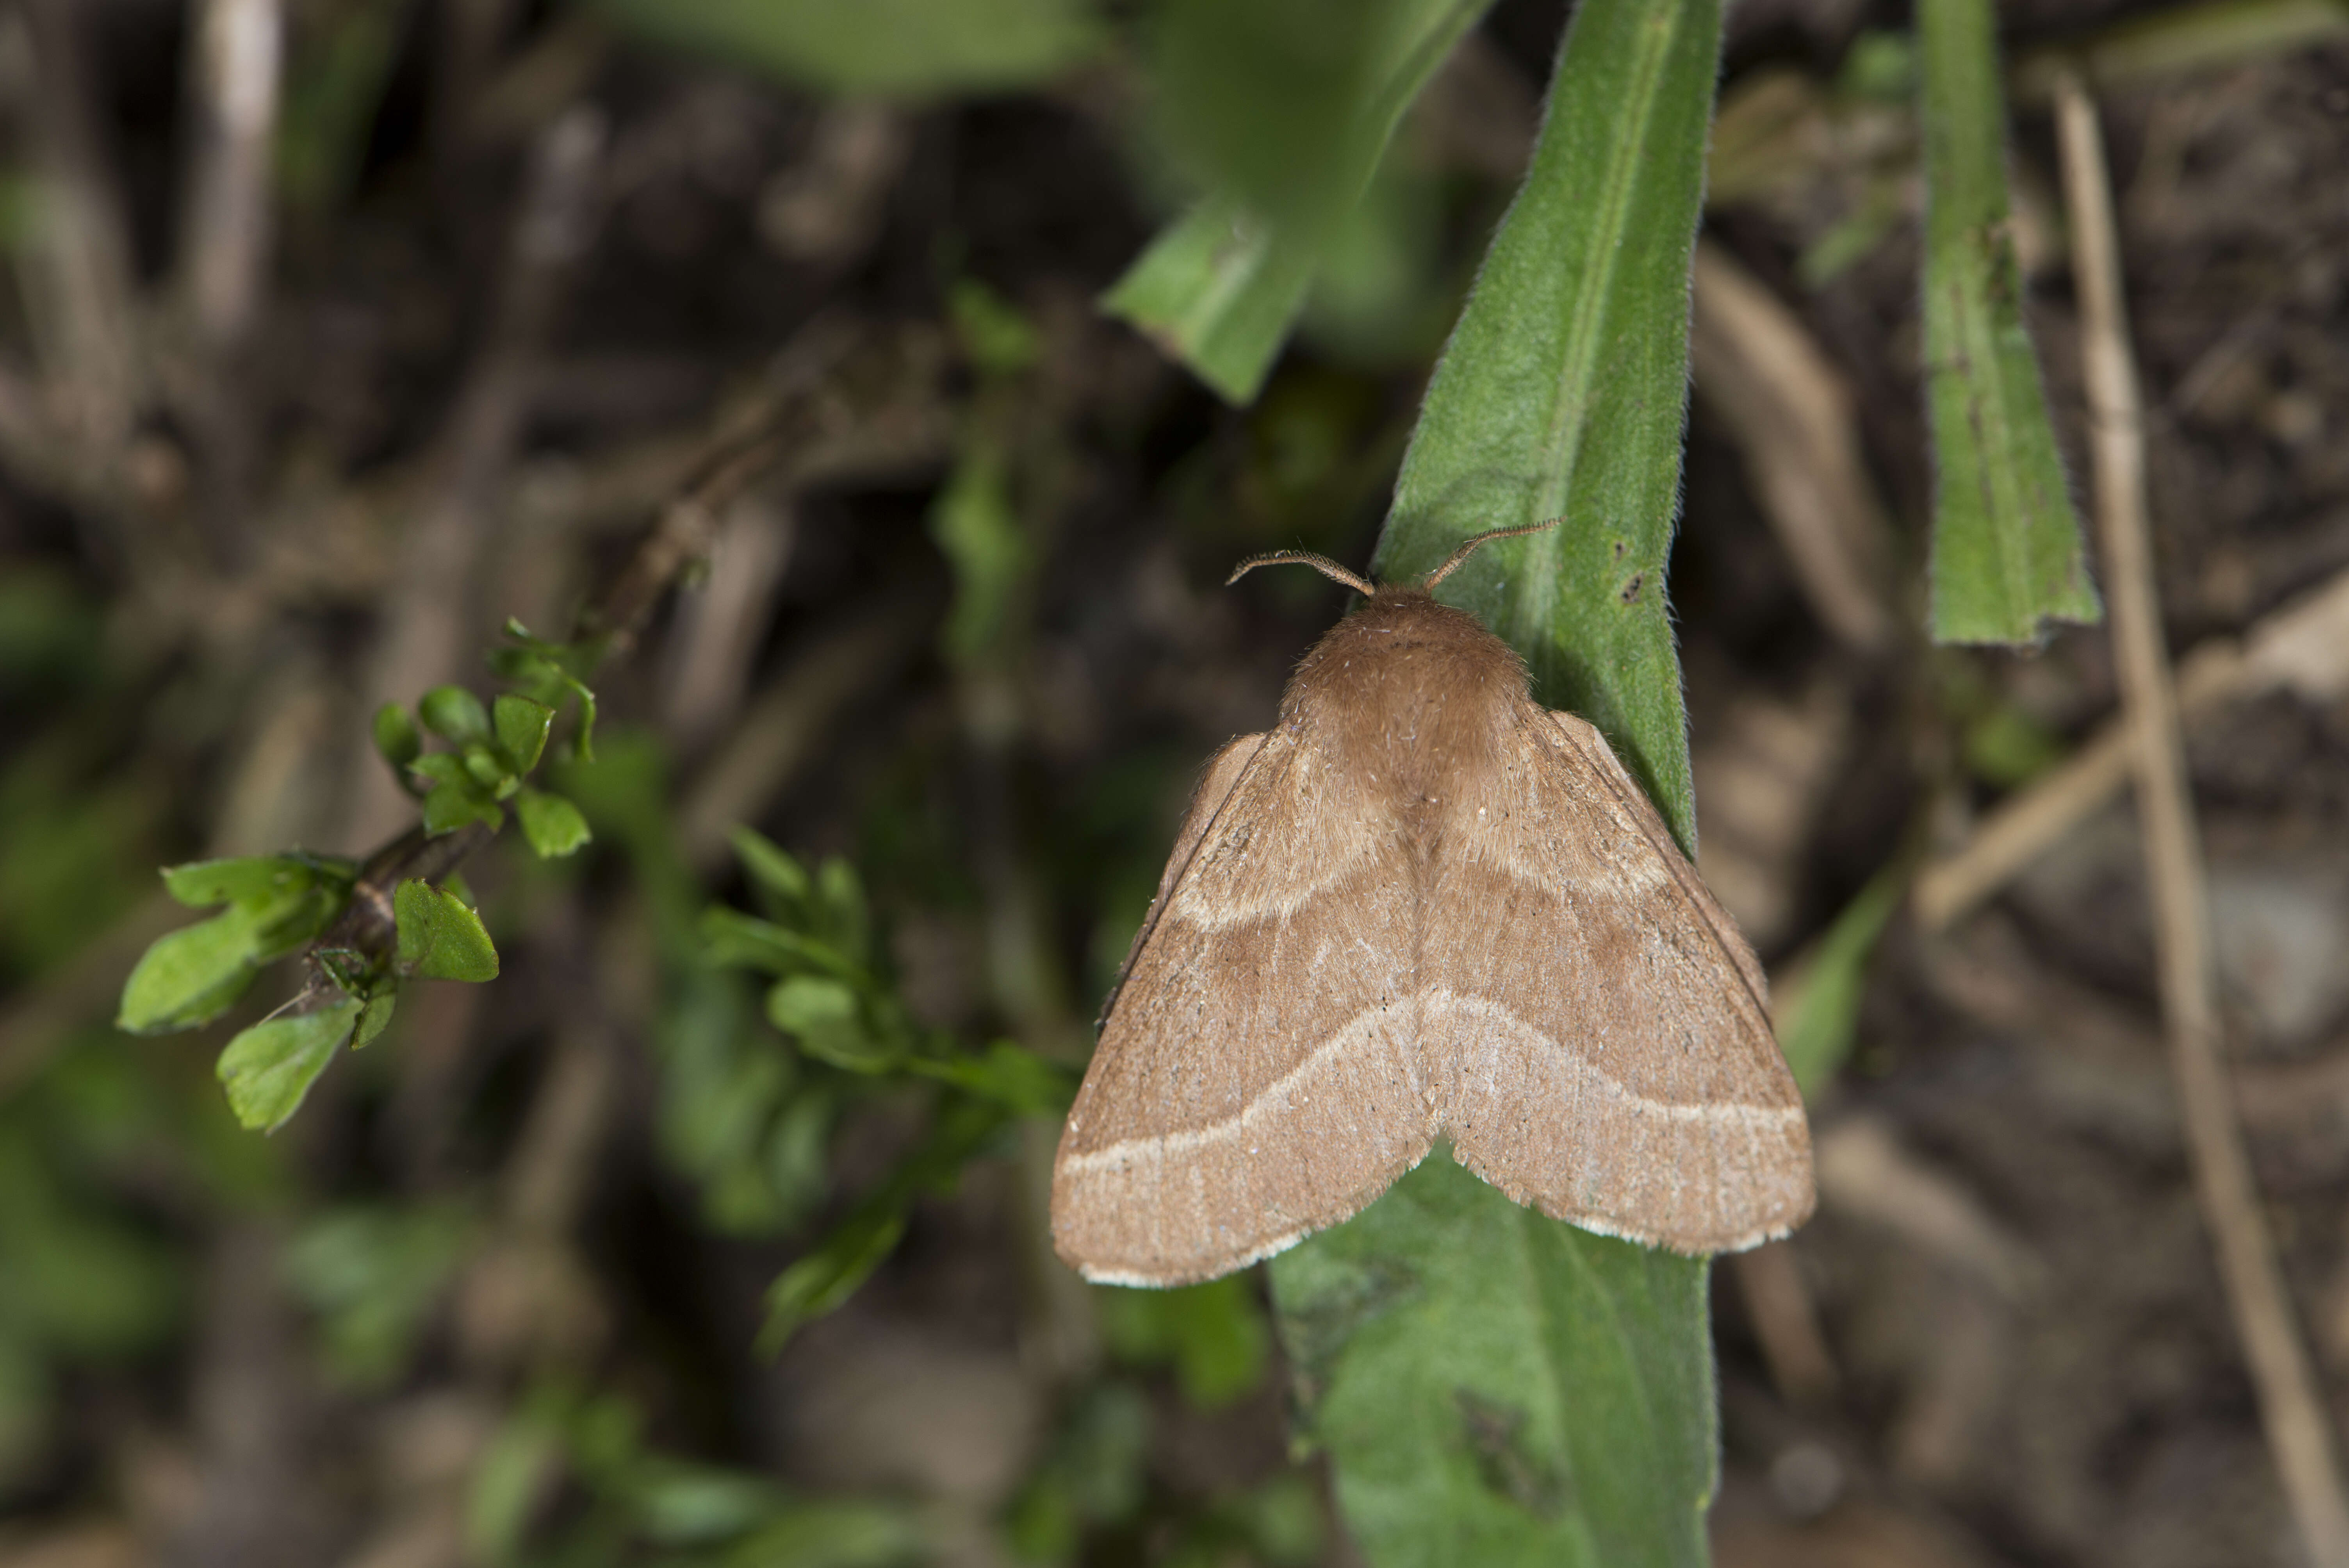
{"points": [[2298, 1428]]}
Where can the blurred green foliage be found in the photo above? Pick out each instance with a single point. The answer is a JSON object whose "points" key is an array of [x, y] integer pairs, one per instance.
{"points": [[1817, 1010], [640, 1503], [373, 1274], [905, 48], [1281, 113]]}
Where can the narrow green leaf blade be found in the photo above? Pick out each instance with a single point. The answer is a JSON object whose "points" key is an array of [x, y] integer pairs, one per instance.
{"points": [[1494, 1386], [775, 873], [375, 1015], [1500, 1388], [909, 48], [268, 1068], [2007, 555], [829, 1274], [1564, 390], [190, 976], [439, 937], [822, 1015], [1818, 1009], [1221, 287]]}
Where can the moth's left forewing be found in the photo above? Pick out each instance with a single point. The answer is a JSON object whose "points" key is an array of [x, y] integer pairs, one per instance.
{"points": [[1611, 1060]]}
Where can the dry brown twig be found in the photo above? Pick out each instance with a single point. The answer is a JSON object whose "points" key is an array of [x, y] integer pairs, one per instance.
{"points": [[2291, 1405]]}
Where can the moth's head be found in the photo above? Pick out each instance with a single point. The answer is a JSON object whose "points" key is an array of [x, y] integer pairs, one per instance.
{"points": [[1369, 589]]}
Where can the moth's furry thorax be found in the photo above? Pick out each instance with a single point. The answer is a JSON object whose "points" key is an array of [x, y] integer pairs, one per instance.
{"points": [[1412, 689]]}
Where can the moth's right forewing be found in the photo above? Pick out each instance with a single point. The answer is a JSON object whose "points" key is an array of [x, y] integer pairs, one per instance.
{"points": [[1610, 1062], [1257, 1076]]}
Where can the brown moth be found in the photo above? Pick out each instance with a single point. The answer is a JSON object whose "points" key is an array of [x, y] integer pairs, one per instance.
{"points": [[1421, 907]]}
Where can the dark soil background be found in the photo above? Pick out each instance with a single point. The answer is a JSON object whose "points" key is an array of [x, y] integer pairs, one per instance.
{"points": [[2002, 1341]]}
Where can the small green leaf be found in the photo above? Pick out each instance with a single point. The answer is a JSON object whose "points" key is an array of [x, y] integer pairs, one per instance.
{"points": [[829, 1274], [1819, 1005], [847, 921], [439, 937], [486, 768], [998, 339], [521, 726], [199, 884], [2007, 556], [269, 1068], [375, 1015], [450, 806], [774, 874], [190, 977], [552, 824], [824, 1017], [980, 535], [683, 1505], [441, 767], [284, 928], [395, 738], [507, 1484], [1011, 1076], [455, 714], [837, 1532], [736, 940]]}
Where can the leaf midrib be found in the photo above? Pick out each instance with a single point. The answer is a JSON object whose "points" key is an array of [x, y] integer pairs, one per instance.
{"points": [[1562, 450]]}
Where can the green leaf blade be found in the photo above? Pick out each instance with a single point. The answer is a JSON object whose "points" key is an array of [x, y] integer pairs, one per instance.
{"points": [[439, 937], [1220, 288], [395, 738], [455, 714], [1563, 392], [521, 726], [201, 885], [268, 1068], [2007, 556], [190, 976], [552, 825], [1498, 1387], [1494, 1386]]}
